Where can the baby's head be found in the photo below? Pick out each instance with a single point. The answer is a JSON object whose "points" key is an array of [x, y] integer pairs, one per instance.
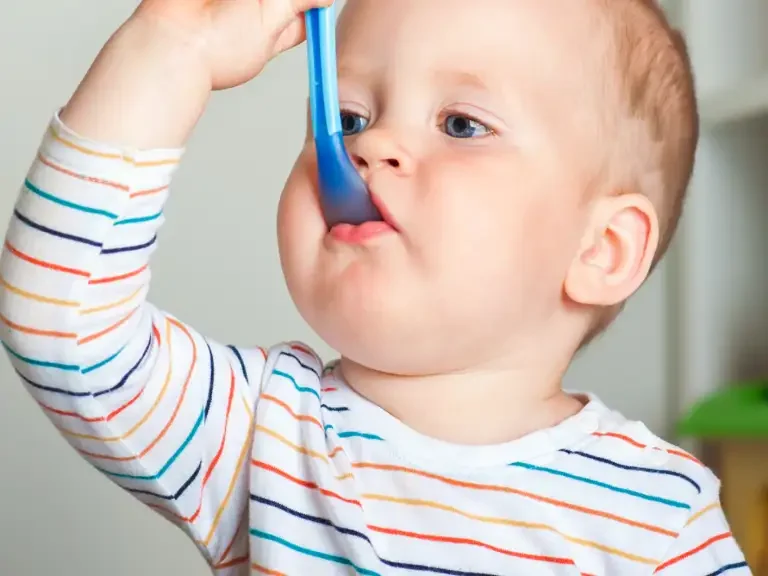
{"points": [[532, 156]]}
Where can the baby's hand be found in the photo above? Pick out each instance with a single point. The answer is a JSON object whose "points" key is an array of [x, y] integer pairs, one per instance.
{"points": [[236, 38], [151, 82]]}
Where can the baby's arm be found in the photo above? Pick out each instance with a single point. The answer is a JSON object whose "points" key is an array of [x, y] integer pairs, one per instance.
{"points": [[705, 546], [147, 400]]}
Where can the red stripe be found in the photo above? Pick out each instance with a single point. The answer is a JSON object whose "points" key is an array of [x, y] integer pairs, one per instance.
{"points": [[454, 540], [21, 256], [696, 550], [304, 483]]}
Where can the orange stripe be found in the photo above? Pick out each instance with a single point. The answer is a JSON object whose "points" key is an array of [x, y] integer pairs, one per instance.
{"points": [[108, 329], [304, 349], [637, 444], [299, 417], [167, 426], [155, 404], [454, 540], [690, 553], [267, 571], [507, 490], [336, 451], [233, 480], [231, 544], [108, 156], [191, 519], [141, 193], [500, 521], [118, 278], [230, 563], [63, 170], [42, 264], [36, 331], [219, 452], [70, 414], [109, 417], [304, 483]]}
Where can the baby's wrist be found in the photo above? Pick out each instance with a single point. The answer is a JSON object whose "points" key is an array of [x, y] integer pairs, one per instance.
{"points": [[146, 89]]}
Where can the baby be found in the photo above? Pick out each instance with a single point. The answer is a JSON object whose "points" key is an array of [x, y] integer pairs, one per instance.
{"points": [[530, 156]]}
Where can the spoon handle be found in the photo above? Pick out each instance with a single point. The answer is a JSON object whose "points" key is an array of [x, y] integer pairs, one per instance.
{"points": [[323, 83]]}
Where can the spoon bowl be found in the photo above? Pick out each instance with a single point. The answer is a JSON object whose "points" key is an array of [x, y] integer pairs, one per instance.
{"points": [[344, 196]]}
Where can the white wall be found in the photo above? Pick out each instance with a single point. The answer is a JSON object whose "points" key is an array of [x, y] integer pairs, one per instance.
{"points": [[45, 48]]}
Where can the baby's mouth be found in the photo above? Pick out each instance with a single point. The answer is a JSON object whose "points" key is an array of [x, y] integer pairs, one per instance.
{"points": [[361, 233]]}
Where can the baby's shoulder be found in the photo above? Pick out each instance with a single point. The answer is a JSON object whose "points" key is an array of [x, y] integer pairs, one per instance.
{"points": [[678, 477], [296, 362]]}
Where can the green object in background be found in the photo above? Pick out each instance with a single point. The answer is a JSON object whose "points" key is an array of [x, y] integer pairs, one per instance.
{"points": [[739, 411]]}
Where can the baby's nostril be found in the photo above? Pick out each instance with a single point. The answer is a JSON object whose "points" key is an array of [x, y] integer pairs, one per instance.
{"points": [[394, 163]]}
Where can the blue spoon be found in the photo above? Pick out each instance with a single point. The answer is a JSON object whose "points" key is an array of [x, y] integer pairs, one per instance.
{"points": [[344, 196]]}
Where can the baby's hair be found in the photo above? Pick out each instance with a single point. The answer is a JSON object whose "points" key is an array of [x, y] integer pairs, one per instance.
{"points": [[654, 136]]}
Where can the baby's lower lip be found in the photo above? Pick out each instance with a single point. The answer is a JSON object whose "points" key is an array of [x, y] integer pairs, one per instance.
{"points": [[351, 234]]}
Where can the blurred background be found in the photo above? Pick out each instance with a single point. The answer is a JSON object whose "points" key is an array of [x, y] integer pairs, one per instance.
{"points": [[683, 358]]}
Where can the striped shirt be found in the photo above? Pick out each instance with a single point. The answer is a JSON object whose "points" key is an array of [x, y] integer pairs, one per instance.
{"points": [[269, 461]]}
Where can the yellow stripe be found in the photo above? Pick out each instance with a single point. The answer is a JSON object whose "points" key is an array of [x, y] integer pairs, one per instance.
{"points": [[701, 513], [291, 445], [112, 305], [87, 151], [151, 411], [507, 522], [37, 297], [233, 481]]}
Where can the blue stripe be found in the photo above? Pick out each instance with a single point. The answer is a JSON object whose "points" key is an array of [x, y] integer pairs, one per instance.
{"points": [[665, 501], [355, 534], [306, 367], [51, 389], [131, 370], [135, 248], [210, 383], [334, 408], [728, 568], [103, 362], [41, 363], [139, 219], [55, 233], [73, 394], [295, 385], [352, 434], [177, 494], [691, 481], [68, 204], [313, 553], [242, 363], [168, 464]]}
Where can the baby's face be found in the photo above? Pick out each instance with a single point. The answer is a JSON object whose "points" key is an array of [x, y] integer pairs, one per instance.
{"points": [[468, 121]]}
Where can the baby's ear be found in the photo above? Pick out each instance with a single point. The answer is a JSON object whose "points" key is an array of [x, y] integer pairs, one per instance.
{"points": [[616, 252]]}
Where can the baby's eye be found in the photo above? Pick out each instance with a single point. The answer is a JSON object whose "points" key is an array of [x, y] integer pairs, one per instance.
{"points": [[458, 126], [352, 124]]}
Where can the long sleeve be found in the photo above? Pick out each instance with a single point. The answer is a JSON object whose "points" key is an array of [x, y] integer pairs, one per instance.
{"points": [[705, 545], [157, 408]]}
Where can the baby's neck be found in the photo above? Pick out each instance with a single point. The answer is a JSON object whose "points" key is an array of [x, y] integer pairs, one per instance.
{"points": [[493, 406]]}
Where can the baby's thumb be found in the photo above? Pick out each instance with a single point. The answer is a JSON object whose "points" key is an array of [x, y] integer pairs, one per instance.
{"points": [[285, 12], [292, 30]]}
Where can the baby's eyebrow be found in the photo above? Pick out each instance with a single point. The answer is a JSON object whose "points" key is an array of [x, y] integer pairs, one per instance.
{"points": [[460, 78]]}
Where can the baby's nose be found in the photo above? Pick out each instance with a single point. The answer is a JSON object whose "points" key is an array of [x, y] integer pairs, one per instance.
{"points": [[377, 150]]}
